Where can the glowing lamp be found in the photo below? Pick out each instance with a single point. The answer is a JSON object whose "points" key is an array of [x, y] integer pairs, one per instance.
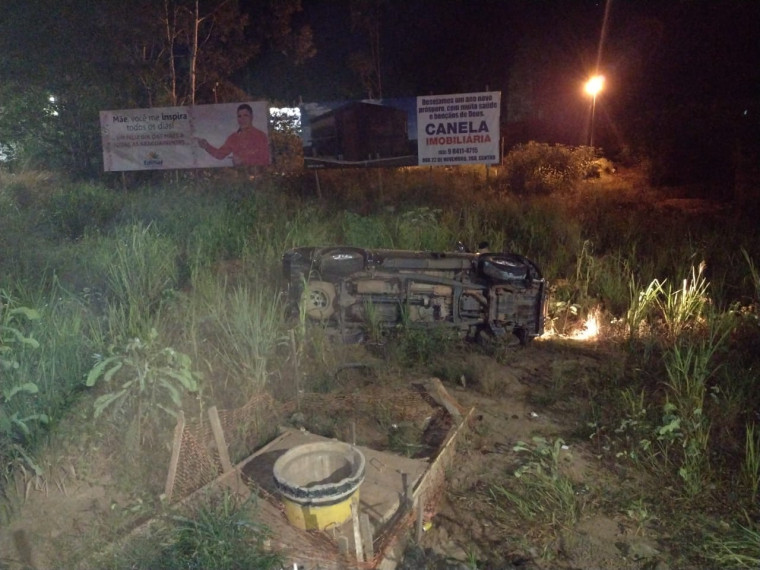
{"points": [[594, 85]]}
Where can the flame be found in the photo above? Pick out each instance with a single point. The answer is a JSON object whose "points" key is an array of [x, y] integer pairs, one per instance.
{"points": [[590, 329]]}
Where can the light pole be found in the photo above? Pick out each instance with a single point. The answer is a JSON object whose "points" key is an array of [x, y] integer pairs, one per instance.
{"points": [[593, 87]]}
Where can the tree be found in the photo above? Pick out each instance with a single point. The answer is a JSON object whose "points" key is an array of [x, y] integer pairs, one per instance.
{"points": [[114, 55], [365, 21], [55, 73]]}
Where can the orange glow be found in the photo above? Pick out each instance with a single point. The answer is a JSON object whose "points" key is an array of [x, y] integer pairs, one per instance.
{"points": [[590, 329], [594, 85]]}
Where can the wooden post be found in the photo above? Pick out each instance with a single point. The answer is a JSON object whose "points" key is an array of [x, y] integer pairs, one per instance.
{"points": [[174, 461], [294, 351], [408, 494], [420, 512], [221, 445], [369, 547], [319, 189], [435, 388], [357, 531]]}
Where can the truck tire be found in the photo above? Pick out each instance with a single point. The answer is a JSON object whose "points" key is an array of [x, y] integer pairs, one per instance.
{"points": [[318, 298]]}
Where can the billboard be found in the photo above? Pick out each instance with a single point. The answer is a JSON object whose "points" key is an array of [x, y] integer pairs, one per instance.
{"points": [[371, 132], [459, 129], [441, 130], [201, 136]]}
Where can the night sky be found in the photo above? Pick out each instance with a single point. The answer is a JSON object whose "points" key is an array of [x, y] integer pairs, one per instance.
{"points": [[673, 49], [689, 68]]}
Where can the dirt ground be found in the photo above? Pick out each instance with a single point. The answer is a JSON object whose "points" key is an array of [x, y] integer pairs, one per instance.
{"points": [[538, 391], [540, 396]]}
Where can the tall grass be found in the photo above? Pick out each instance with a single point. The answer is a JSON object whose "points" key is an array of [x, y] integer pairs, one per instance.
{"points": [[690, 365], [683, 306], [151, 258], [750, 470], [641, 304], [754, 274], [241, 325], [140, 274]]}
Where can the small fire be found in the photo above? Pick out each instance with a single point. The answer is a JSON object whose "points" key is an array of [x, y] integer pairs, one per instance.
{"points": [[590, 328]]}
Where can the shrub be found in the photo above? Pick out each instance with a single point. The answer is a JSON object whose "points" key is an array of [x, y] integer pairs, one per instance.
{"points": [[75, 208], [540, 168]]}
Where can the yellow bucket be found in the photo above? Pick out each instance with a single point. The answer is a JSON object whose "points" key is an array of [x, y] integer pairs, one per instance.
{"points": [[319, 482]]}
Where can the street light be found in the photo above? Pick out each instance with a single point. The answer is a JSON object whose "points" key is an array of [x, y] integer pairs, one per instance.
{"points": [[593, 87]]}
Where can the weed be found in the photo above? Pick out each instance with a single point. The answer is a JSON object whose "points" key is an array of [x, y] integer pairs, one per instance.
{"points": [[363, 231], [539, 168], [75, 209], [373, 320], [541, 492], [683, 306], [641, 303], [16, 420], [689, 366], [420, 346], [454, 370], [246, 323], [405, 439], [735, 547], [640, 514], [754, 274], [751, 465], [12, 337], [419, 229], [143, 269], [152, 382], [634, 429], [609, 282], [584, 268], [221, 533]]}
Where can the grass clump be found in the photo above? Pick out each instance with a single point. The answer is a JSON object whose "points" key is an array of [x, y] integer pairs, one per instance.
{"points": [[736, 546], [140, 275], [221, 533], [540, 491]]}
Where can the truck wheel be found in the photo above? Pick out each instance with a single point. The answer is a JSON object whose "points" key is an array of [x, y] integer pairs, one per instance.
{"points": [[318, 300], [522, 336]]}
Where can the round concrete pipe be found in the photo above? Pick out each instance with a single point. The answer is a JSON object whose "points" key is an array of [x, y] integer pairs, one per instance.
{"points": [[319, 482]]}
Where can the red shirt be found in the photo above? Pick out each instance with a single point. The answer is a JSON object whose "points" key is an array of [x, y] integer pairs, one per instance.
{"points": [[248, 147]]}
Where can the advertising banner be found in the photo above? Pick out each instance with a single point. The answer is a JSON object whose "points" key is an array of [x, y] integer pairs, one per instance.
{"points": [[459, 129], [201, 136], [440, 130], [371, 132]]}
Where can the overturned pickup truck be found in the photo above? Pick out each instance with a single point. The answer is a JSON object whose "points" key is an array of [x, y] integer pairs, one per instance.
{"points": [[483, 295]]}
